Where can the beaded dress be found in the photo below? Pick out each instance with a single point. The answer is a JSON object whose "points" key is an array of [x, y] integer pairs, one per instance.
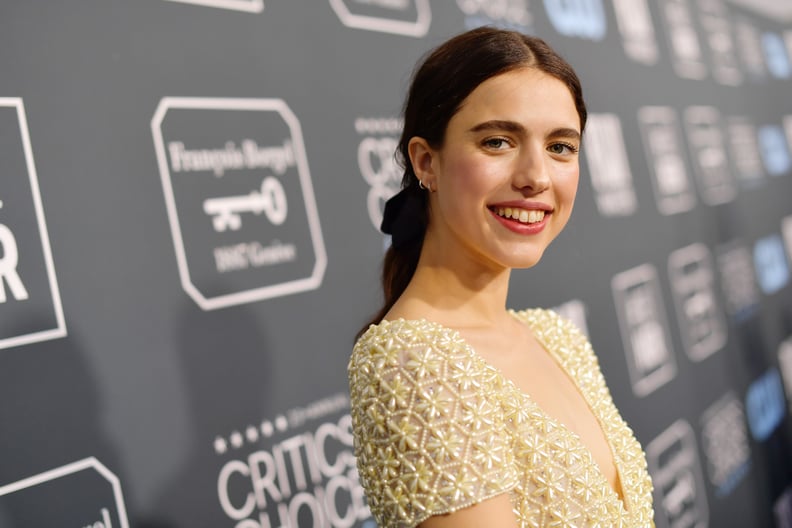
{"points": [[438, 429]]}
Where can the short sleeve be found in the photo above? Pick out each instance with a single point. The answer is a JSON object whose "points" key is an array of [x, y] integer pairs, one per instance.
{"points": [[428, 428]]}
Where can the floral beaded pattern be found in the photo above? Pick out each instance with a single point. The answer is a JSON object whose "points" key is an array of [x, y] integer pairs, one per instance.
{"points": [[438, 429]]}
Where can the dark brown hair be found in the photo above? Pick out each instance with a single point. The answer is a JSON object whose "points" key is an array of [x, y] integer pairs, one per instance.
{"points": [[439, 86]]}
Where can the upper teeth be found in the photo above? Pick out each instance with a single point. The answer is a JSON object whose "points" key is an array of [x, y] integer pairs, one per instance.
{"points": [[521, 215]]}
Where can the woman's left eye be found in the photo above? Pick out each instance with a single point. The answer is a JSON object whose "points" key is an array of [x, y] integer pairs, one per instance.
{"points": [[562, 148]]}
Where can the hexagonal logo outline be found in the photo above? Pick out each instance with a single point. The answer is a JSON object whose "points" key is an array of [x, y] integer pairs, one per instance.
{"points": [[419, 28], [69, 469], [60, 330], [240, 104]]}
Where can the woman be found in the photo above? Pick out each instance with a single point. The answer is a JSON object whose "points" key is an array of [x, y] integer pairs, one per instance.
{"points": [[466, 413]]}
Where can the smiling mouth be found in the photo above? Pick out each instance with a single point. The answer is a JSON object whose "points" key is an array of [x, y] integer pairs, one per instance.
{"points": [[524, 216]]}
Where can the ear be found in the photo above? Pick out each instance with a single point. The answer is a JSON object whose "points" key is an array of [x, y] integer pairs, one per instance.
{"points": [[422, 157]]}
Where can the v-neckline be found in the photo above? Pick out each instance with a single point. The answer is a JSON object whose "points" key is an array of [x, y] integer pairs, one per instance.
{"points": [[622, 499]]}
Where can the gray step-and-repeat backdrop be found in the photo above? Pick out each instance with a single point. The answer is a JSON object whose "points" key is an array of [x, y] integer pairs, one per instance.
{"points": [[189, 200]]}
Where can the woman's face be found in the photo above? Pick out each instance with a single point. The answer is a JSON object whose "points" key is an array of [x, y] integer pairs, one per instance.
{"points": [[507, 173]]}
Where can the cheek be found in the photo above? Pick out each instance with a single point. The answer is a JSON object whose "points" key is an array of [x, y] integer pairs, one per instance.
{"points": [[567, 183]]}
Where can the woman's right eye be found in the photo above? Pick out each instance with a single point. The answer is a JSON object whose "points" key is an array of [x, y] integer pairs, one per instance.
{"points": [[496, 143]]}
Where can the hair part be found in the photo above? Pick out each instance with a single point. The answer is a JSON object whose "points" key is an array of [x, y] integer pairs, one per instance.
{"points": [[440, 84]]}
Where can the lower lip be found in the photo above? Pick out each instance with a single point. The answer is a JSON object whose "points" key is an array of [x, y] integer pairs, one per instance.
{"points": [[519, 227]]}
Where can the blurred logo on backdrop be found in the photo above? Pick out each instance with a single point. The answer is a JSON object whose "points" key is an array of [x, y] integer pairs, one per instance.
{"points": [[772, 270], [785, 364], [680, 496], [30, 304], [644, 330], [738, 283], [661, 133], [77, 494], [507, 14], [403, 17], [250, 6], [376, 157], [578, 18], [701, 321], [297, 469], [765, 404], [240, 199], [714, 19], [725, 442], [635, 25], [609, 166], [683, 41], [786, 232], [749, 48], [775, 54], [774, 150], [575, 311], [708, 151], [744, 150]]}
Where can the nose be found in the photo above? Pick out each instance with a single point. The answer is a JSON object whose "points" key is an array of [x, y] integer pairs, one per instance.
{"points": [[532, 171]]}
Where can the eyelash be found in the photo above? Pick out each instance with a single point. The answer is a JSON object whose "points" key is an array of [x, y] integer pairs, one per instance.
{"points": [[572, 148]]}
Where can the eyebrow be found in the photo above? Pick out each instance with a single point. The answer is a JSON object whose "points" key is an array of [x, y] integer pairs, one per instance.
{"points": [[513, 126]]}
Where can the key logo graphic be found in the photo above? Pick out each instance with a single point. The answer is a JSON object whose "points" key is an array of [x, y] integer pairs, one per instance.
{"points": [[701, 322], [377, 162], [749, 48], [30, 305], [680, 497], [644, 330], [774, 149], [660, 132], [765, 404], [776, 55], [403, 17], [72, 495], [240, 199]]}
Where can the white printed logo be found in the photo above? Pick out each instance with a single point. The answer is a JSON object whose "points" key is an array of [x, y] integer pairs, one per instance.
{"points": [[70, 495], [635, 25], [377, 162], [693, 283], [737, 280], [683, 40], [609, 167], [644, 331], [403, 17], [672, 186], [249, 6], [744, 150], [725, 441], [714, 19], [788, 130], [510, 14], [749, 46], [240, 199], [707, 148], [30, 304], [305, 477], [680, 496], [785, 364]]}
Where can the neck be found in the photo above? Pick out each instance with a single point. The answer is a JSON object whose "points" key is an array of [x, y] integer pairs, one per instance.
{"points": [[457, 290]]}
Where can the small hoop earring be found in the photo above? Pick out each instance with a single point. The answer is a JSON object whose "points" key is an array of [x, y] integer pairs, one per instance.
{"points": [[421, 185]]}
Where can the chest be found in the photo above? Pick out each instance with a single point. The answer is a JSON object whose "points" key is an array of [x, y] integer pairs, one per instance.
{"points": [[538, 375]]}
